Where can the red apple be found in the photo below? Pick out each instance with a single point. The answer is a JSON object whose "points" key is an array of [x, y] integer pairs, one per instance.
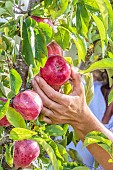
{"points": [[28, 104], [4, 122], [56, 71], [54, 49], [45, 20], [25, 151]]}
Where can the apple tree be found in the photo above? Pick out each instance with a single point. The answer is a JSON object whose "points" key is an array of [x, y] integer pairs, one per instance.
{"points": [[79, 27]]}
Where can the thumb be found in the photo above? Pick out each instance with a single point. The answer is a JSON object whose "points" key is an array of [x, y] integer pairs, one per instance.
{"points": [[78, 88]]}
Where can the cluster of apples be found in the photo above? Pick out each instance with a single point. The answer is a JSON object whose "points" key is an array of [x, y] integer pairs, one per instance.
{"points": [[29, 104]]}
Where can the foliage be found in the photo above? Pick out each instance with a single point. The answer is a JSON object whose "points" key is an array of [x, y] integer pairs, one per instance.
{"points": [[23, 45]]}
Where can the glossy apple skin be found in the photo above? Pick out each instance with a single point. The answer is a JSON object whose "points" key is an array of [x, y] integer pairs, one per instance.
{"points": [[25, 151], [54, 49], [56, 71], [4, 122], [29, 104], [45, 20]]}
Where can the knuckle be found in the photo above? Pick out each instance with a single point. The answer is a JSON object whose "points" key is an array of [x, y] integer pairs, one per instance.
{"points": [[52, 96]]}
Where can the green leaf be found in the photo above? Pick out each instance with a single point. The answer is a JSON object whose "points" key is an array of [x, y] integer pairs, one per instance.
{"points": [[54, 130], [37, 11], [8, 155], [47, 3], [15, 82], [2, 89], [21, 134], [63, 151], [106, 63], [89, 87], [101, 140], [15, 118], [56, 151], [3, 108], [104, 12], [91, 5], [81, 47], [47, 31], [110, 75], [67, 88], [110, 15], [9, 7], [102, 32], [62, 37], [75, 156], [27, 53], [60, 8], [110, 97], [69, 165], [49, 151], [97, 137], [2, 11], [40, 48], [82, 20]]}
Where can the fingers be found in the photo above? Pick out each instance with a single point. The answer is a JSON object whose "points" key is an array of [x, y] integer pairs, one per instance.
{"points": [[48, 90], [47, 120], [78, 88], [48, 114], [46, 101]]}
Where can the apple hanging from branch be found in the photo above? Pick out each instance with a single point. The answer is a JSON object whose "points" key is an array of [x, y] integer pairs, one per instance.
{"points": [[29, 104], [56, 71], [25, 151]]}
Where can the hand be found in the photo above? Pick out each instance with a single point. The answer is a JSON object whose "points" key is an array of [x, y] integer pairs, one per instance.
{"points": [[60, 108]]}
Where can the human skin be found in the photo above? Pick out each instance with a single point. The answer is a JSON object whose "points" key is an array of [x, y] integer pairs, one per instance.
{"points": [[72, 109]]}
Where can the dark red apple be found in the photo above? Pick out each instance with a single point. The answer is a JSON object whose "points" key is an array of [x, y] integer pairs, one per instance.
{"points": [[25, 151], [28, 103], [54, 49], [4, 122], [56, 71], [45, 20]]}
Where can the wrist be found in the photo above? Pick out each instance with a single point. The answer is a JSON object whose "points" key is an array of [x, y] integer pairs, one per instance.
{"points": [[87, 123]]}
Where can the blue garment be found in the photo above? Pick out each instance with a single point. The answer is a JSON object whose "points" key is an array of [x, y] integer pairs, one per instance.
{"points": [[98, 107]]}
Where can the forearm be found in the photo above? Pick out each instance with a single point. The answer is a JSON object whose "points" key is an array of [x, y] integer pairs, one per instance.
{"points": [[91, 124]]}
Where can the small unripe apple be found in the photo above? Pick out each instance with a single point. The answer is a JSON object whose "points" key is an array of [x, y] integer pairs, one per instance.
{"points": [[56, 71], [25, 151], [4, 122], [29, 104], [54, 49], [45, 20]]}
